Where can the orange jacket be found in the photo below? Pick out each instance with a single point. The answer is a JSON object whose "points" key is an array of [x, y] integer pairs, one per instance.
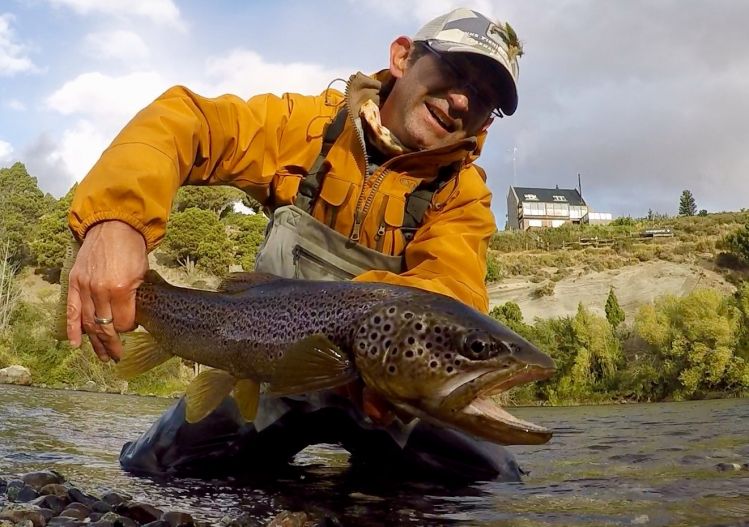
{"points": [[264, 146]]}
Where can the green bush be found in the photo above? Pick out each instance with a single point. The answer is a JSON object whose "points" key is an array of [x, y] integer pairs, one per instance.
{"points": [[493, 269], [247, 233], [198, 235], [693, 342]]}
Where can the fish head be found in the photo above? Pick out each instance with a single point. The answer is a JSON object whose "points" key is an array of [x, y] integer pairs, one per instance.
{"points": [[438, 359]]}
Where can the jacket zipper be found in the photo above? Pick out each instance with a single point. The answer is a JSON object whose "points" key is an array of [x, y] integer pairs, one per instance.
{"points": [[362, 205]]}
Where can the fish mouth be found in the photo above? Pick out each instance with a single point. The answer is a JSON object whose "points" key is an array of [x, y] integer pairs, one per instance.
{"points": [[469, 408]]}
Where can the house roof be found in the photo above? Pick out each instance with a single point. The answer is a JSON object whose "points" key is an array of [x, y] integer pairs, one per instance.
{"points": [[546, 195]]}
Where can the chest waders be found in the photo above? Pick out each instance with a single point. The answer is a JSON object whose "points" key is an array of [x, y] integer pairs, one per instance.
{"points": [[296, 245]]}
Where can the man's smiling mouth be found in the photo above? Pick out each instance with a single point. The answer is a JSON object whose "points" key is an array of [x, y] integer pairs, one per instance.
{"points": [[445, 122]]}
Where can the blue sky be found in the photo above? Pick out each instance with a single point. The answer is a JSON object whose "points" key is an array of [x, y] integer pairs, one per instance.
{"points": [[642, 98]]}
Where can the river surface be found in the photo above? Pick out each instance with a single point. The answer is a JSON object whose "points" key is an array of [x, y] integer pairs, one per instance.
{"points": [[643, 464]]}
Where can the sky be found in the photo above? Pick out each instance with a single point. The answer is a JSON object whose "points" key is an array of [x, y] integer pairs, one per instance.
{"points": [[642, 98]]}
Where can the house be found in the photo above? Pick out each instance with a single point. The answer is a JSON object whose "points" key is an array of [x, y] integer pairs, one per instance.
{"points": [[544, 207]]}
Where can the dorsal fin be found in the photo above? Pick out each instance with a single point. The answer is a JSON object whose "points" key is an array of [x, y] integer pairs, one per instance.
{"points": [[152, 277], [236, 282]]}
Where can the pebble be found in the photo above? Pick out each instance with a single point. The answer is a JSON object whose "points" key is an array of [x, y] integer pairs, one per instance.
{"points": [[45, 499], [728, 467]]}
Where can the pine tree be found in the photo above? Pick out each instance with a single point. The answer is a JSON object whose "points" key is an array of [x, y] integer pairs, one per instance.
{"points": [[687, 205], [614, 313]]}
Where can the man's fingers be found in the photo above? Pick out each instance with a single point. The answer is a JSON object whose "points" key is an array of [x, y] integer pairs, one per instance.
{"points": [[99, 326], [73, 312], [98, 347]]}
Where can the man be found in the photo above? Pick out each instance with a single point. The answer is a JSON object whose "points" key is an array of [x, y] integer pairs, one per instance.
{"points": [[376, 185]]}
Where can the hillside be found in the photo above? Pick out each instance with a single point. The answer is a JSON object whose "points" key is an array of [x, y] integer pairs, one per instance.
{"points": [[549, 272], [634, 286]]}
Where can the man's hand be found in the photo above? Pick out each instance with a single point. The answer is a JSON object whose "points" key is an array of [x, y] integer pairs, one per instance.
{"points": [[108, 269]]}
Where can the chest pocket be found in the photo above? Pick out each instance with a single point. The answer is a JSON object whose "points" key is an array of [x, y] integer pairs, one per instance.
{"points": [[334, 193]]}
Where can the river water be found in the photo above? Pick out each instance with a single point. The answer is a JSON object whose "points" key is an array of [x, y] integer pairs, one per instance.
{"points": [[644, 464]]}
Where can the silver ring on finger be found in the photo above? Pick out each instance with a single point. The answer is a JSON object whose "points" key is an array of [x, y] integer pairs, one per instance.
{"points": [[103, 321]]}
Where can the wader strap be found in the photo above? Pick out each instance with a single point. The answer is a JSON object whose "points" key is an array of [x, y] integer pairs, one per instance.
{"points": [[309, 188], [418, 201]]}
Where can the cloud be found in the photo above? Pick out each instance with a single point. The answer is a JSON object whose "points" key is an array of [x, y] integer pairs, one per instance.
{"points": [[43, 162], [121, 45], [15, 104], [245, 72], [106, 98], [59, 162], [13, 55], [163, 12], [101, 105], [422, 11], [6, 151]]}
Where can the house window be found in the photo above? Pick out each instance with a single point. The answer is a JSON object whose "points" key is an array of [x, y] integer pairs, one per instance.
{"points": [[530, 197], [559, 198], [534, 209]]}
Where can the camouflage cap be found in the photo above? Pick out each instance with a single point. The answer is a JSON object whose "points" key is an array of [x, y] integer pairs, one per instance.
{"points": [[466, 31]]}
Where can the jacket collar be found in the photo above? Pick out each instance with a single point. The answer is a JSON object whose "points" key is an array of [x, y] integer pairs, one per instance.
{"points": [[377, 87]]}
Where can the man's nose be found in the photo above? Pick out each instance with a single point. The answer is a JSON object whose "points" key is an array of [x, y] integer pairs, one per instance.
{"points": [[458, 99]]}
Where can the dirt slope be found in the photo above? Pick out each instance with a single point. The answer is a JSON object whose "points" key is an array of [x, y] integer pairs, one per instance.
{"points": [[634, 286]]}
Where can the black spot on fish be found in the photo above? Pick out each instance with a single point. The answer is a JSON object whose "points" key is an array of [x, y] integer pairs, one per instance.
{"points": [[433, 364], [391, 368], [418, 326], [373, 335], [377, 320], [411, 340], [391, 311], [409, 353], [386, 327], [449, 369], [408, 315], [387, 343]]}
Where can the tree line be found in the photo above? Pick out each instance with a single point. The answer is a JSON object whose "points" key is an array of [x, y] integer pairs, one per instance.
{"points": [[675, 348]]}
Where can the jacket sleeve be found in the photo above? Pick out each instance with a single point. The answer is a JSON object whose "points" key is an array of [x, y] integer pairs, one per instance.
{"points": [[448, 253], [181, 138]]}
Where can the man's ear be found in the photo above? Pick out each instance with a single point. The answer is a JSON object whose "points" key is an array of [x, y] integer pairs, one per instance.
{"points": [[400, 49]]}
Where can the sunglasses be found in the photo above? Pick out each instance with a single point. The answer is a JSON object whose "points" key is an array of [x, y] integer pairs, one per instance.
{"points": [[473, 93]]}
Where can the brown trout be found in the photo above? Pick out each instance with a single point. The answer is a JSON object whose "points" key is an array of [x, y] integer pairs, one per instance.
{"points": [[429, 355]]}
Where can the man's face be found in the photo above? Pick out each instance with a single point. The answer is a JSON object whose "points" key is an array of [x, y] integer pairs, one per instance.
{"points": [[438, 100]]}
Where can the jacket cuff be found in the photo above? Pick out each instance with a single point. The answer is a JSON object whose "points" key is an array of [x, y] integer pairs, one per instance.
{"points": [[151, 235]]}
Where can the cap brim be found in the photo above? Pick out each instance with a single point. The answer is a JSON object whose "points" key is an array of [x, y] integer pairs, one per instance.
{"points": [[507, 88]]}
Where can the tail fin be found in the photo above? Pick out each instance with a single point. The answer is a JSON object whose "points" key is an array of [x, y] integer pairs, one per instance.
{"points": [[60, 322]]}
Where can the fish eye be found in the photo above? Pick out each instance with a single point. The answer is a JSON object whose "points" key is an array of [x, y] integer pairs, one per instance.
{"points": [[477, 347]]}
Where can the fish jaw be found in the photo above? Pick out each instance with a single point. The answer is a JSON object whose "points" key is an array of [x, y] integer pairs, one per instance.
{"points": [[484, 418]]}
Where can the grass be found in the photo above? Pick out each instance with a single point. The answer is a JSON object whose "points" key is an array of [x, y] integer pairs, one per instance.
{"points": [[553, 254]]}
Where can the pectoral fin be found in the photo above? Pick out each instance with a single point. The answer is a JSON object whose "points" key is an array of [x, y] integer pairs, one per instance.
{"points": [[205, 393], [246, 393], [314, 363], [141, 353]]}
